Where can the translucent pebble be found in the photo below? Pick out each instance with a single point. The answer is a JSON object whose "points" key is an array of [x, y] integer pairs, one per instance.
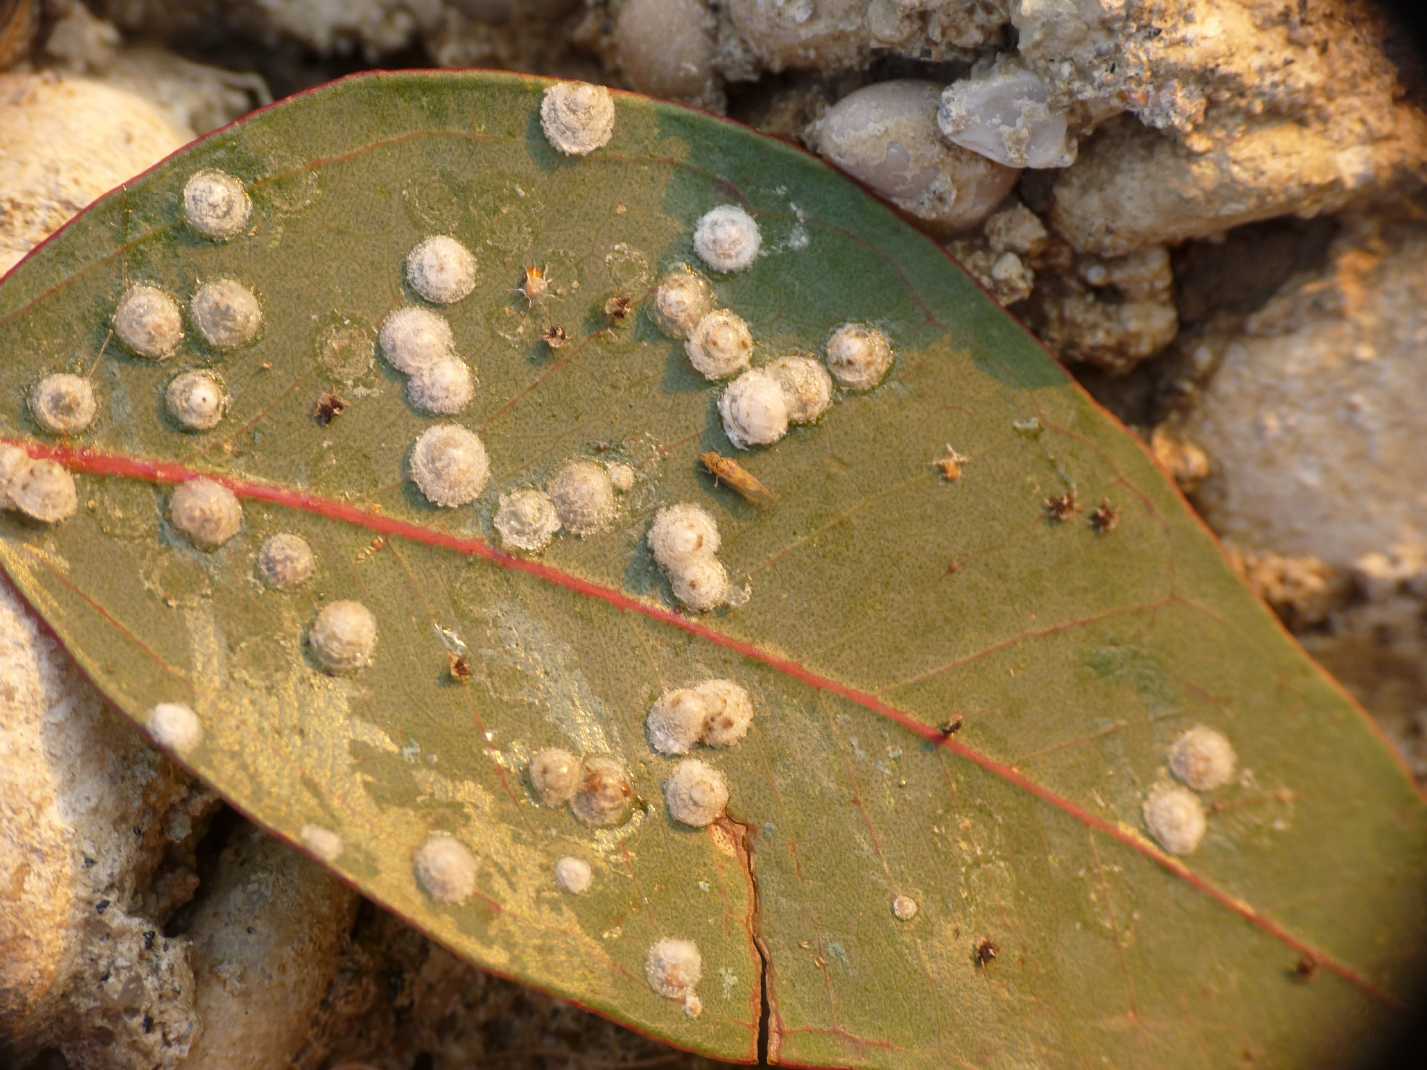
{"points": [[583, 497], [674, 967], [730, 712], [577, 118], [886, 135], [604, 795], [445, 386], [343, 637], [667, 48], [727, 238], [701, 586], [806, 386], [682, 298], [904, 908], [441, 270], [175, 727], [43, 490], [208, 514], [216, 205], [555, 775], [858, 356], [682, 534], [1175, 818], [63, 404], [720, 345], [573, 875], [449, 465], [148, 322], [676, 722], [445, 869], [196, 401], [696, 793], [412, 338], [1003, 113], [285, 561], [1202, 758], [226, 313], [526, 520], [754, 410]]}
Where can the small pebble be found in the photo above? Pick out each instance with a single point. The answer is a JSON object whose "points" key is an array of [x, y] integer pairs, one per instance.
{"points": [[573, 875]]}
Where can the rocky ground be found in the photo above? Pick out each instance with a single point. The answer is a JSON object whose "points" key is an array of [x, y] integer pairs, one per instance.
{"points": [[1213, 210]]}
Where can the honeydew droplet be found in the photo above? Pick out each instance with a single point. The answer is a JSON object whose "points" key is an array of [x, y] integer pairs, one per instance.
{"points": [[1175, 818], [1202, 758], [449, 465], [577, 118], [574, 875], [696, 793], [445, 869], [604, 795], [208, 514], [445, 386], [730, 712], [555, 776], [583, 497], [858, 356], [148, 322], [701, 586], [526, 520], [175, 727], [727, 238], [322, 842], [43, 490], [682, 534], [904, 908], [676, 721], [441, 270], [226, 313], [196, 401], [343, 637], [412, 338], [754, 410], [63, 404], [806, 386], [216, 205], [674, 967], [285, 561], [720, 345], [682, 298]]}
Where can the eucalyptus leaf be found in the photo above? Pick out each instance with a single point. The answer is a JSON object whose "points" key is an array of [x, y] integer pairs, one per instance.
{"points": [[966, 671]]}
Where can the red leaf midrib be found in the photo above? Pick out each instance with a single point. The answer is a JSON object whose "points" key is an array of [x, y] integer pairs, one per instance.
{"points": [[95, 462]]}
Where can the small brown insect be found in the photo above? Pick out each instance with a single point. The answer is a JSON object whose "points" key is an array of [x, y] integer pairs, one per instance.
{"points": [[1306, 967], [953, 567], [536, 283], [1062, 508], [985, 952], [950, 465], [329, 406], [1105, 517], [459, 668], [748, 486], [951, 727], [555, 336], [618, 307]]}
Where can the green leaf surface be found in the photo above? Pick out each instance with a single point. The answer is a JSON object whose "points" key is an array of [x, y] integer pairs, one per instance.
{"points": [[883, 600]]}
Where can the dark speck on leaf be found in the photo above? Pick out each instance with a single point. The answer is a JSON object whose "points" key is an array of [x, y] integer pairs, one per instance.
{"points": [[985, 952], [329, 406]]}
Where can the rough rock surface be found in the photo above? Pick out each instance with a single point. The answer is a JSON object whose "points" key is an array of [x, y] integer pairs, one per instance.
{"points": [[1313, 417]]}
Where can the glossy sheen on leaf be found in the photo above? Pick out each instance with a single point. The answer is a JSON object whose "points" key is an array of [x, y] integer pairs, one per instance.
{"points": [[884, 598]]}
